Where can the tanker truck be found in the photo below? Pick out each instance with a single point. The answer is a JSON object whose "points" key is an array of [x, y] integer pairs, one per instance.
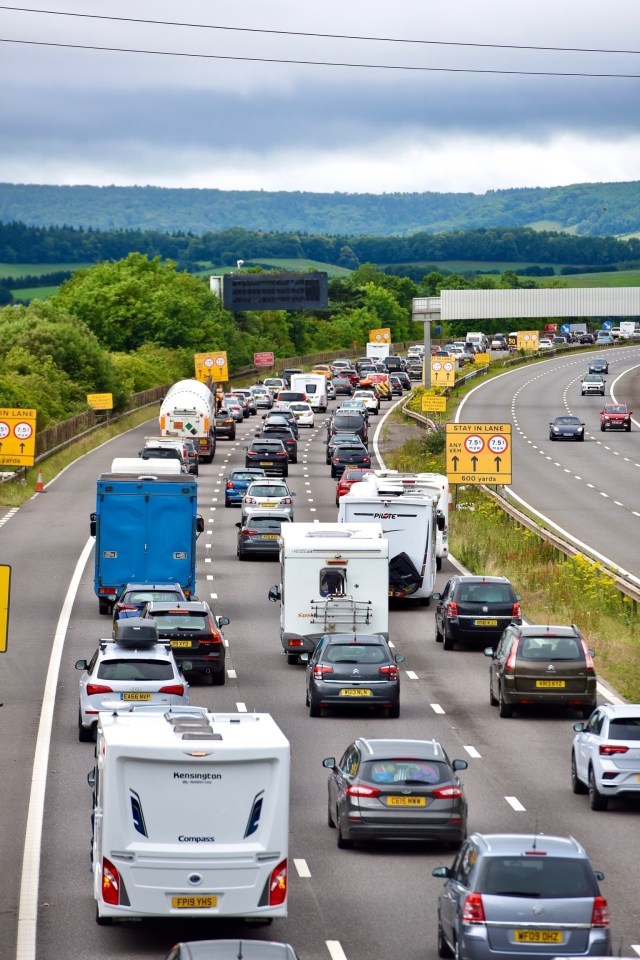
{"points": [[188, 410]]}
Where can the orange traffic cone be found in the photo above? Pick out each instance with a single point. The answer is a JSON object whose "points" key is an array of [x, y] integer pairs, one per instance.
{"points": [[39, 484]]}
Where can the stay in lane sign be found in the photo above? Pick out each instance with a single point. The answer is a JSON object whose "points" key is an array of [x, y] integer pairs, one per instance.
{"points": [[478, 452], [17, 436]]}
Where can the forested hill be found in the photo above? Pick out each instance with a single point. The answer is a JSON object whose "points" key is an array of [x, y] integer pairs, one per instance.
{"points": [[588, 209]]}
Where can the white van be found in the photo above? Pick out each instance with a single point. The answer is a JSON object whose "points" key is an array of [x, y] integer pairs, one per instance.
{"points": [[190, 814], [314, 385], [334, 578]]}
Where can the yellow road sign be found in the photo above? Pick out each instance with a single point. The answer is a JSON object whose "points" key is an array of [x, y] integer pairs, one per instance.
{"points": [[482, 358], [478, 452], [443, 371], [211, 366], [17, 436], [100, 401], [381, 335], [431, 404], [527, 340], [5, 590]]}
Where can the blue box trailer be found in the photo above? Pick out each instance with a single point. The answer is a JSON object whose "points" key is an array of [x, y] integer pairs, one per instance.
{"points": [[146, 530]]}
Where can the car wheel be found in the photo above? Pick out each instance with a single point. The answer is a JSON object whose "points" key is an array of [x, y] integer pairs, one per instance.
{"points": [[447, 641], [104, 608], [439, 637], [596, 800], [333, 474], [551, 436], [342, 842], [330, 820], [582, 438], [504, 709], [394, 712], [219, 679], [628, 429], [576, 783], [438, 563], [492, 699], [314, 709], [444, 950], [292, 658], [602, 427], [85, 735]]}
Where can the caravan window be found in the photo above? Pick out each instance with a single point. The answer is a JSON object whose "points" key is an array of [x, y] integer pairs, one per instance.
{"points": [[332, 581]]}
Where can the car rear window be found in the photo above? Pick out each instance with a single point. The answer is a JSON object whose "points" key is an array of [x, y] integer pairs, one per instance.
{"points": [[264, 490], [484, 593], [625, 729], [146, 596], [175, 620], [550, 648], [405, 771], [536, 876], [355, 653], [267, 446], [266, 523], [132, 670]]}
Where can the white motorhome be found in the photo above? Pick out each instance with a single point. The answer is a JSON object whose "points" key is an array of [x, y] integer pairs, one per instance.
{"points": [[190, 814], [315, 387], [378, 351], [428, 481], [409, 522], [143, 468], [334, 578]]}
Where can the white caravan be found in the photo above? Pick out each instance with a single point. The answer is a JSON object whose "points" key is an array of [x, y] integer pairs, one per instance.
{"points": [[378, 351], [190, 814], [315, 387], [409, 523], [333, 579], [427, 481]]}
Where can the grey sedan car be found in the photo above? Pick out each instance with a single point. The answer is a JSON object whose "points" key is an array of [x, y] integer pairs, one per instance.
{"points": [[232, 950], [521, 895]]}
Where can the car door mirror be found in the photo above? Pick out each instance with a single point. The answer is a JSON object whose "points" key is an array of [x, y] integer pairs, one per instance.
{"points": [[443, 872], [223, 621], [82, 665], [329, 763], [459, 764], [579, 727], [489, 652], [238, 524], [274, 594], [91, 778], [436, 596], [199, 524], [399, 658], [93, 524]]}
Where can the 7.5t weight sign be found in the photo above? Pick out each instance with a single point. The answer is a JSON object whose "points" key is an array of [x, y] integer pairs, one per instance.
{"points": [[478, 452]]}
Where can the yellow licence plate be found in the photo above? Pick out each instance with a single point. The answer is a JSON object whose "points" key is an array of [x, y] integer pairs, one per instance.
{"points": [[180, 643], [193, 903], [406, 802], [355, 692], [486, 623], [538, 936], [265, 463], [136, 696], [550, 683], [265, 504], [269, 536]]}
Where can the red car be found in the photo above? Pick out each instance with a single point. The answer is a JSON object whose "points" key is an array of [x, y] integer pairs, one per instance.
{"points": [[615, 416], [347, 480]]}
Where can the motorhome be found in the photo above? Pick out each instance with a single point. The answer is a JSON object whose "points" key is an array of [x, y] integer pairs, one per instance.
{"points": [[190, 814], [409, 522], [314, 385], [334, 578], [428, 481]]}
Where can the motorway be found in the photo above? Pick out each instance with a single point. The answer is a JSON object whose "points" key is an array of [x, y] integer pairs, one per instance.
{"points": [[375, 901]]}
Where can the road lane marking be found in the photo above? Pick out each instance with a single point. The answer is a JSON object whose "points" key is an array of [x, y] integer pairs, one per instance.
{"points": [[241, 707], [436, 708], [335, 950], [302, 868], [411, 675], [473, 753], [515, 803]]}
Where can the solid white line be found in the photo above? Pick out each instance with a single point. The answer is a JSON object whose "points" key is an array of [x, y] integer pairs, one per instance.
{"points": [[515, 803], [473, 753], [302, 868], [28, 907], [335, 950]]}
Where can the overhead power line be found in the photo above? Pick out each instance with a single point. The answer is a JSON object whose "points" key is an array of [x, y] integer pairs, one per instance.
{"points": [[321, 63], [324, 36]]}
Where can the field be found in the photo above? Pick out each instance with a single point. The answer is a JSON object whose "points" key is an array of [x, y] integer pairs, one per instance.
{"points": [[36, 269], [622, 278]]}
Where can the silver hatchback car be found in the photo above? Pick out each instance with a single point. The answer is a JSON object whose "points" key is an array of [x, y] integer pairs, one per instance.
{"points": [[510, 896]]}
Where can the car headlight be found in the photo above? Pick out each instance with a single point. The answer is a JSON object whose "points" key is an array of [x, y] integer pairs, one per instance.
{"points": [[556, 429], [580, 429]]}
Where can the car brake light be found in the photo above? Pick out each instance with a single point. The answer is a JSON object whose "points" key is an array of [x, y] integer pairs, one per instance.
{"points": [[587, 656], [511, 659], [286, 500], [248, 533], [516, 611], [93, 688], [175, 689], [447, 793], [126, 606], [610, 749], [362, 790], [230, 485], [250, 500], [600, 915], [390, 671], [110, 883], [473, 909], [320, 670], [278, 885], [452, 609]]}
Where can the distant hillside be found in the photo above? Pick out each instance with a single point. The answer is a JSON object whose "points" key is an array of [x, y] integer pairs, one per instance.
{"points": [[587, 209]]}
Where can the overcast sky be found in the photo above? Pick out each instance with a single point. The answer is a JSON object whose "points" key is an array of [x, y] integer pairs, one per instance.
{"points": [[401, 109]]}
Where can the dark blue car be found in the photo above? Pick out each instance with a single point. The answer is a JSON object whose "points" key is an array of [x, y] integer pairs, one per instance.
{"points": [[237, 482]]}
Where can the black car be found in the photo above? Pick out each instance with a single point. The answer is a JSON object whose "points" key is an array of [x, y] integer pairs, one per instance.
{"points": [[342, 386], [566, 428], [193, 632], [259, 535], [225, 424], [275, 431], [414, 370], [270, 454], [586, 338], [396, 385], [475, 609], [598, 365], [403, 377], [352, 422], [349, 669], [349, 455], [396, 789], [282, 418], [338, 438]]}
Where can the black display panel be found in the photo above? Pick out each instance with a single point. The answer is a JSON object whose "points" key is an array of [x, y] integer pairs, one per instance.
{"points": [[281, 291]]}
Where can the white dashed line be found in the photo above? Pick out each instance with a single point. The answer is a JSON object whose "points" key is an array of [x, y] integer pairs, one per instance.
{"points": [[515, 803], [335, 950], [473, 753], [436, 708], [302, 868], [209, 576], [411, 675]]}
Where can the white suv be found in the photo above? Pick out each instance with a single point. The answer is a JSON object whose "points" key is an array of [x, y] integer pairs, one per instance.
{"points": [[593, 383], [605, 759]]}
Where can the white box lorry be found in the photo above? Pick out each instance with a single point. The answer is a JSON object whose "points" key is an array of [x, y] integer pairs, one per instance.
{"points": [[190, 814], [378, 351], [315, 387], [428, 481], [333, 579], [409, 522]]}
